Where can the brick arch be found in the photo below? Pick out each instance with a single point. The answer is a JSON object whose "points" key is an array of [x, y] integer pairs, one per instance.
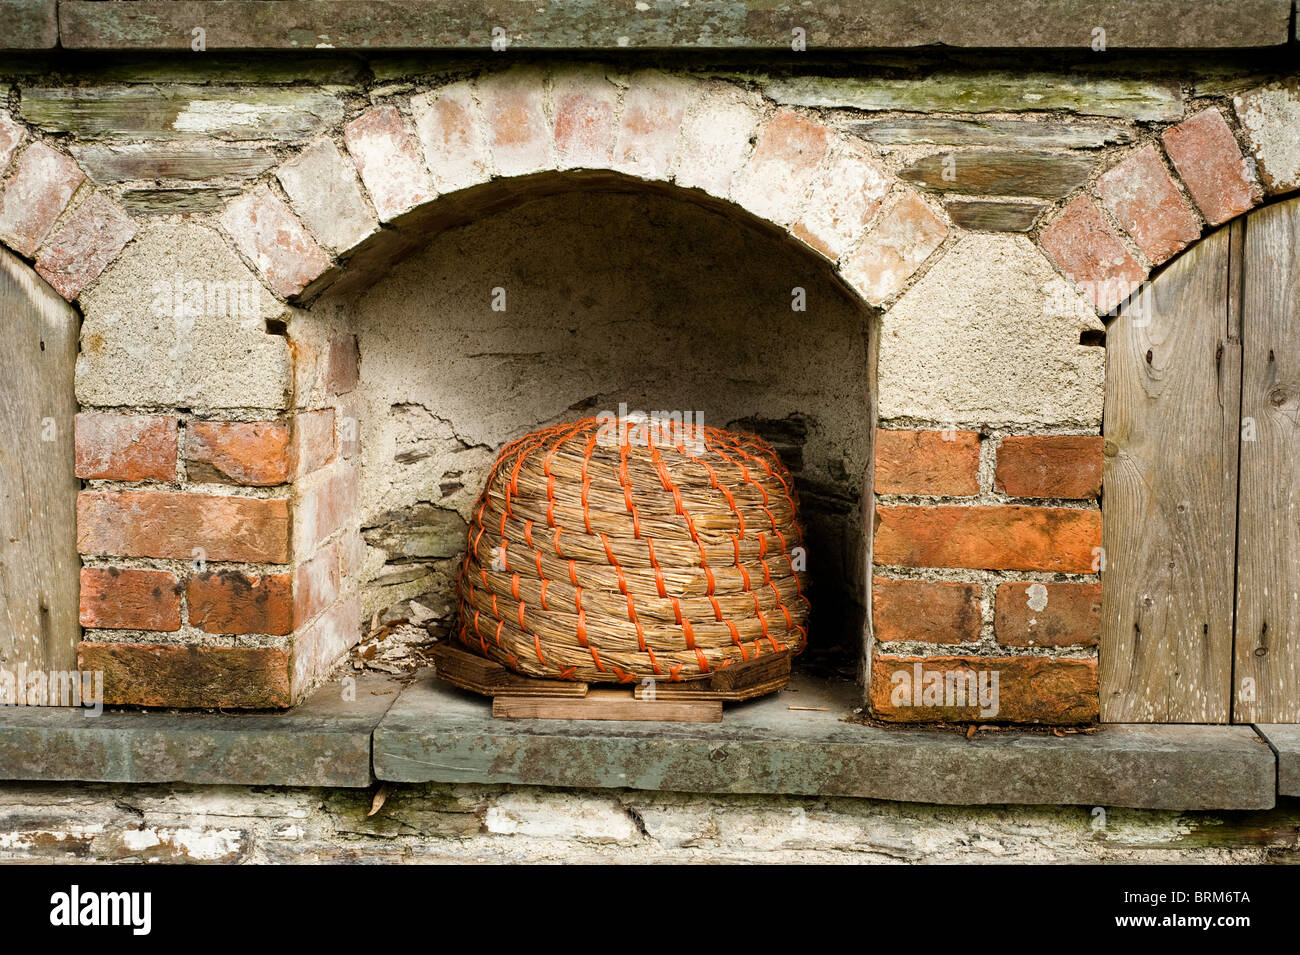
{"points": [[53, 216], [416, 163], [1160, 198]]}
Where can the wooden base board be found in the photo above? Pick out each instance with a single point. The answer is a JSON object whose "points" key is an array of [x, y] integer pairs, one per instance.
{"points": [[607, 703], [520, 697]]}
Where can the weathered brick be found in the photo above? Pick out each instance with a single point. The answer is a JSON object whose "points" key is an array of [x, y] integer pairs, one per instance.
{"points": [[352, 553], [94, 235], [344, 369], [1142, 196], [518, 135], [389, 162], [586, 106], [318, 646], [1061, 614], [787, 155], [265, 229], [313, 440], [846, 194], [450, 128], [254, 453], [716, 139], [230, 601], [1207, 156], [1270, 120], [40, 188], [127, 598], [1048, 690], [928, 611], [175, 525], [349, 432], [141, 674], [1082, 245], [1059, 466], [327, 501], [927, 462], [316, 584], [1003, 537], [11, 137], [905, 236], [322, 187], [653, 108], [117, 447]]}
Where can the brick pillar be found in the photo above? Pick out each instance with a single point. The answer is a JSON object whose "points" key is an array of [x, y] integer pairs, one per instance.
{"points": [[986, 556], [214, 556]]}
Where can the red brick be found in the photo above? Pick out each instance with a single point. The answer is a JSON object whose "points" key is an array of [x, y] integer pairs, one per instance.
{"points": [[313, 440], [167, 524], [928, 611], [787, 155], [118, 447], [142, 674], [1048, 614], [448, 123], [254, 453], [1207, 156], [265, 229], [316, 584], [653, 109], [39, 190], [1054, 466], [1084, 248], [1059, 539], [228, 601], [326, 503], [11, 136], [849, 191], [928, 462], [388, 161], [904, 237], [518, 134], [1142, 196], [344, 365], [95, 234], [125, 598], [317, 647], [1029, 689], [585, 111]]}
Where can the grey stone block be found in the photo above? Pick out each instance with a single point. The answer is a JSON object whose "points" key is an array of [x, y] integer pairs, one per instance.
{"points": [[29, 24], [435, 733], [728, 24], [323, 742], [1285, 740]]}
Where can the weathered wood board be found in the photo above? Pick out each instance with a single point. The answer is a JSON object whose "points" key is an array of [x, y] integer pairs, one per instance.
{"points": [[1267, 658], [39, 566], [1173, 367], [607, 703]]}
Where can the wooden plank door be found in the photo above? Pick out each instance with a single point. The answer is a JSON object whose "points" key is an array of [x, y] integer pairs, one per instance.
{"points": [[39, 566], [1267, 658], [1173, 371]]}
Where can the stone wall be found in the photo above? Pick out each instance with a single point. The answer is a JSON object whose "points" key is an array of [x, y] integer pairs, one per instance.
{"points": [[422, 824], [987, 216]]}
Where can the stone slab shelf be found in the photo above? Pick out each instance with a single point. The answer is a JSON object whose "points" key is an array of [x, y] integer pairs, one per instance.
{"points": [[429, 732], [323, 742], [596, 25], [1284, 738], [435, 733]]}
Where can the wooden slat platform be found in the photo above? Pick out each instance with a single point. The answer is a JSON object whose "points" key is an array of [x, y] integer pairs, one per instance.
{"points": [[520, 697]]}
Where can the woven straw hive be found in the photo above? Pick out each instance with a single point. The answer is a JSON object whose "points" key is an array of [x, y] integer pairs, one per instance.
{"points": [[606, 550]]}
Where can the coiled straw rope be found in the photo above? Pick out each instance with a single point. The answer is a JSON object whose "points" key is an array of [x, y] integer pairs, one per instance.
{"points": [[605, 550]]}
